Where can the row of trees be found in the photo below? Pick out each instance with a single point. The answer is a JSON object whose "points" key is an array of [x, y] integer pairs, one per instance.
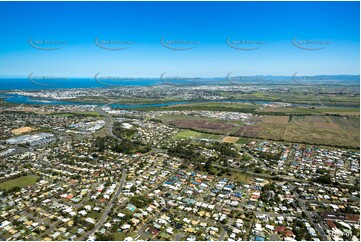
{"points": [[225, 149], [183, 150], [125, 146], [121, 132], [269, 156], [11, 190]]}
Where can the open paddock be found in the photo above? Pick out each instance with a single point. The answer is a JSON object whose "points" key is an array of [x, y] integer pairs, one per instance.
{"points": [[275, 119], [314, 121], [248, 131], [203, 125], [230, 139], [347, 123]]}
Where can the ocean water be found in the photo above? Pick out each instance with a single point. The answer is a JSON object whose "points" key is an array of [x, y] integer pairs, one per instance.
{"points": [[26, 84], [38, 84]]}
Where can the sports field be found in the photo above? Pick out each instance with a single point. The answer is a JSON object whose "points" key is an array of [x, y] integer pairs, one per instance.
{"points": [[21, 182], [189, 134]]}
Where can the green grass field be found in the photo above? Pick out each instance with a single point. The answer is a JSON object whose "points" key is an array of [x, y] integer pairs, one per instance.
{"points": [[242, 141], [95, 215], [23, 181], [239, 177], [186, 134], [210, 136], [120, 236]]}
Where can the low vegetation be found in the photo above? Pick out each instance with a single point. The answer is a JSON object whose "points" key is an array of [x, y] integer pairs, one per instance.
{"points": [[16, 184]]}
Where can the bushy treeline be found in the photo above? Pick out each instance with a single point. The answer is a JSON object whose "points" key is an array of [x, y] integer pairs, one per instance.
{"points": [[124, 146]]}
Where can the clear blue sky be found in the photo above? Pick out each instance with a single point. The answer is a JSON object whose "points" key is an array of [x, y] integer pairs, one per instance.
{"points": [[275, 23]]}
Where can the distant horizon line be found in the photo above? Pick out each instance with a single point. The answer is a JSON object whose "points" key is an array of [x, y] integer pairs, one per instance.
{"points": [[157, 77]]}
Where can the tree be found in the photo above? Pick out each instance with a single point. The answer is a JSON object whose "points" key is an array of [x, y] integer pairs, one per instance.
{"points": [[14, 189], [258, 170], [224, 221], [325, 179]]}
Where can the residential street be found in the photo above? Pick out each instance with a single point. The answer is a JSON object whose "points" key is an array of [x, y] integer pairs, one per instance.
{"points": [[105, 214]]}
